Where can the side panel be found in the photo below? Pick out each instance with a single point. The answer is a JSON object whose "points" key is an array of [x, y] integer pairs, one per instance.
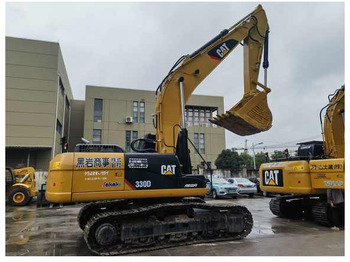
{"points": [[152, 171], [290, 177], [328, 173], [59, 180], [98, 172], [83, 177]]}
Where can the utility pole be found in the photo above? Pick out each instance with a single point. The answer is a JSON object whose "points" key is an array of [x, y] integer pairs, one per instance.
{"points": [[246, 146], [253, 147]]}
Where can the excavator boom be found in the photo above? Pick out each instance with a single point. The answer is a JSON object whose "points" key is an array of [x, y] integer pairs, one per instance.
{"points": [[250, 115]]}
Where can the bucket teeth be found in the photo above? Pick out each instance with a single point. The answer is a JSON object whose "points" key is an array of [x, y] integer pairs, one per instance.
{"points": [[249, 116], [235, 124]]}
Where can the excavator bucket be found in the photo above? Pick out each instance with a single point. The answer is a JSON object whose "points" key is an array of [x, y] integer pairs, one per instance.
{"points": [[249, 116]]}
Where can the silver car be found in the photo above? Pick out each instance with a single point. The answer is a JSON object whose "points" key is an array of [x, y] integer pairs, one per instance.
{"points": [[244, 185], [221, 188]]}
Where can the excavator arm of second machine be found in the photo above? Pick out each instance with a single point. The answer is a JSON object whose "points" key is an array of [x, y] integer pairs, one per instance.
{"points": [[251, 115]]}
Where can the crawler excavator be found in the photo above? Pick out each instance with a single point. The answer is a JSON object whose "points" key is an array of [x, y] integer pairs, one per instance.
{"points": [[150, 199], [303, 180]]}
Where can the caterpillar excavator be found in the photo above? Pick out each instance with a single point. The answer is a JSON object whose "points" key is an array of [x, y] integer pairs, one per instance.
{"points": [[303, 180], [150, 199]]}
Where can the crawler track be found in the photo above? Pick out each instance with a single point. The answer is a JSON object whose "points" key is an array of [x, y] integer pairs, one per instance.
{"points": [[316, 210], [162, 225]]}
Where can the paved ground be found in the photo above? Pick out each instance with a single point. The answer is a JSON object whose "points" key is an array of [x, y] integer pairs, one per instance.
{"points": [[42, 231]]}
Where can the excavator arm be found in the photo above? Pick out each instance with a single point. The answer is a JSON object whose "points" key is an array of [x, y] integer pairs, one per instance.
{"points": [[333, 126], [251, 115]]}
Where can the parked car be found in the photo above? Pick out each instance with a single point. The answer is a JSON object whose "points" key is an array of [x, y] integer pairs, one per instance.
{"points": [[221, 188], [244, 185], [256, 181]]}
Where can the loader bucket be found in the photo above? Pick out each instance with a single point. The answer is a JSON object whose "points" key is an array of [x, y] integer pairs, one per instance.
{"points": [[249, 116]]}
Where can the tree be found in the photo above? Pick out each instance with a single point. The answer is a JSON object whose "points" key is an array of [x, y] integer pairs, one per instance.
{"points": [[277, 154], [260, 159], [228, 159], [247, 159]]}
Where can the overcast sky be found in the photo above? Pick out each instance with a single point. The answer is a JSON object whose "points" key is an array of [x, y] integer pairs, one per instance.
{"points": [[133, 45]]}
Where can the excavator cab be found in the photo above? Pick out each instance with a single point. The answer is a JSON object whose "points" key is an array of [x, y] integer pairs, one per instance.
{"points": [[249, 116]]}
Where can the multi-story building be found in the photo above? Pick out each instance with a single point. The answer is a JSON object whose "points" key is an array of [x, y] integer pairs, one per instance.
{"points": [[38, 97], [40, 110], [118, 116]]}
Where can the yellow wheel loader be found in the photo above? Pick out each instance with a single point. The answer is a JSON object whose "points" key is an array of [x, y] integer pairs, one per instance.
{"points": [[20, 186], [150, 199], [303, 180]]}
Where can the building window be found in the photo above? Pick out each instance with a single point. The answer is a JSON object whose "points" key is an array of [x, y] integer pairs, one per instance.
{"points": [[190, 116], [196, 116], [135, 111], [67, 102], [142, 112], [202, 116], [135, 135], [207, 117], [96, 136], [61, 85], [98, 105], [199, 115], [201, 143], [196, 141], [127, 140], [59, 127]]}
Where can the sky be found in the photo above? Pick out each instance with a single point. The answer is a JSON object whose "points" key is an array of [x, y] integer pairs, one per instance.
{"points": [[133, 45]]}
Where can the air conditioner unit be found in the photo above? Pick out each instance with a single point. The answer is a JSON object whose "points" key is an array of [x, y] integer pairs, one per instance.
{"points": [[128, 120]]}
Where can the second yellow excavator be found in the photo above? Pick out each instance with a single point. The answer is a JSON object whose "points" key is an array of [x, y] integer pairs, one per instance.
{"points": [[150, 199], [303, 180]]}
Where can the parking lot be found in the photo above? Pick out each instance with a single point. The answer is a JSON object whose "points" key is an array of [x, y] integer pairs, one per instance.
{"points": [[32, 231]]}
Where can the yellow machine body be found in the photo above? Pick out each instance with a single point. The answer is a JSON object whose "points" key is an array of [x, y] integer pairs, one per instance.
{"points": [[302, 177], [327, 173], [23, 178], [67, 182], [27, 174]]}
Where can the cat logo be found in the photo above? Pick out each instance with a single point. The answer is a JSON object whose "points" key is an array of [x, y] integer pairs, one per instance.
{"points": [[220, 51], [167, 169], [273, 177]]}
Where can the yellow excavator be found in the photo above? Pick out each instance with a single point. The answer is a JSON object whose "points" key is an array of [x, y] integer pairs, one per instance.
{"points": [[150, 199], [303, 180]]}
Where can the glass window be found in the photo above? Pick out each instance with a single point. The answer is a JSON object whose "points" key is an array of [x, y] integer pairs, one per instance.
{"points": [[207, 117], [196, 116], [127, 140], [202, 116], [96, 136], [142, 112], [214, 113], [59, 127], [67, 102], [201, 143], [61, 85], [135, 135], [98, 105], [190, 116], [196, 141], [135, 111]]}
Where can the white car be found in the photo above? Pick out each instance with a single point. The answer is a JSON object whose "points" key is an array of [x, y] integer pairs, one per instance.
{"points": [[244, 185]]}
